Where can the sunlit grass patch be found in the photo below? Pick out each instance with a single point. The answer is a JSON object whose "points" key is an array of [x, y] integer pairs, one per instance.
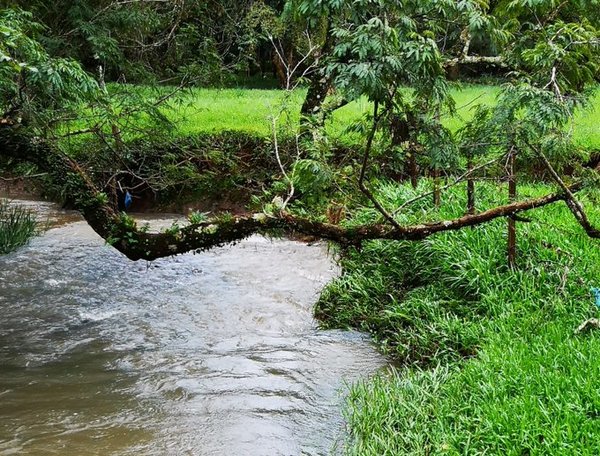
{"points": [[250, 110]]}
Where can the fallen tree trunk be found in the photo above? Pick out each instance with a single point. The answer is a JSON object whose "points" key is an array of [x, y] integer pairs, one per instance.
{"points": [[123, 234]]}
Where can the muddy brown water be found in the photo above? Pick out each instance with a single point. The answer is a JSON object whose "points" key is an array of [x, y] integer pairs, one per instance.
{"points": [[211, 354]]}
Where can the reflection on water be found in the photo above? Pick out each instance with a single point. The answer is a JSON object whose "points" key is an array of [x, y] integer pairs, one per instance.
{"points": [[212, 354]]}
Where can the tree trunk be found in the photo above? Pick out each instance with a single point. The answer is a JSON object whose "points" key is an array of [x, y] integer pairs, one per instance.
{"points": [[414, 169], [437, 194], [320, 84], [512, 224], [470, 188], [317, 92], [280, 70], [401, 135]]}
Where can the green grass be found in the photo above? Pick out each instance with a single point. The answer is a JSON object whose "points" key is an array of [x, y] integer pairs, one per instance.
{"points": [[215, 110], [17, 226], [490, 362], [587, 125]]}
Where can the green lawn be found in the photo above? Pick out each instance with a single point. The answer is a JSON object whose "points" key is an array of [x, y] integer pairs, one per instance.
{"points": [[249, 110]]}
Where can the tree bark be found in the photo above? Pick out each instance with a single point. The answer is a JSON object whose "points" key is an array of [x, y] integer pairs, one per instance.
{"points": [[470, 188], [414, 169], [320, 83], [437, 194]]}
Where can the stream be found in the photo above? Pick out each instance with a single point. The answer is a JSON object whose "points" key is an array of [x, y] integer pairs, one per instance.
{"points": [[209, 354]]}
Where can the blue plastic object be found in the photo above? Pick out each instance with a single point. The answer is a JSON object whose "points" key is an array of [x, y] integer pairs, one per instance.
{"points": [[128, 200], [596, 292]]}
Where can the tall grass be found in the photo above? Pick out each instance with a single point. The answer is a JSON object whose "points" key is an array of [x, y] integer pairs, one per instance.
{"points": [[17, 226], [490, 361]]}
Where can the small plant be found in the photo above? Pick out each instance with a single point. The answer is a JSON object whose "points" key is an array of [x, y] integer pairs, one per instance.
{"points": [[102, 198], [195, 218], [17, 226], [225, 217], [173, 230]]}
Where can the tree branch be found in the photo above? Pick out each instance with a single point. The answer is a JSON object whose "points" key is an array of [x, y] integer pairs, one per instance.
{"points": [[123, 234], [574, 205], [363, 169]]}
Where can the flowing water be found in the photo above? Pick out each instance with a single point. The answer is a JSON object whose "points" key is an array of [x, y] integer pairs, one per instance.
{"points": [[211, 354]]}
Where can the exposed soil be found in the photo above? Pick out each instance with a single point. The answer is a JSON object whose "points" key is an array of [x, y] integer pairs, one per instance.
{"points": [[23, 188], [18, 187]]}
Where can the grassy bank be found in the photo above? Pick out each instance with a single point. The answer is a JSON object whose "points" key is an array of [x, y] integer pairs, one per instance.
{"points": [[17, 226], [491, 364], [213, 110], [200, 156]]}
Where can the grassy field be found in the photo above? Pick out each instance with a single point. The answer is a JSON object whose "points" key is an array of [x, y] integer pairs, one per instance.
{"points": [[212, 110]]}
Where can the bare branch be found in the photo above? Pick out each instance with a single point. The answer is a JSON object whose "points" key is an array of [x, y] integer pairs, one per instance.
{"points": [[363, 169], [574, 205], [25, 176]]}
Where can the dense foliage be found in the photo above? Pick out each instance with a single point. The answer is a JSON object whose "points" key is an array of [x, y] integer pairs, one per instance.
{"points": [[212, 41], [155, 40]]}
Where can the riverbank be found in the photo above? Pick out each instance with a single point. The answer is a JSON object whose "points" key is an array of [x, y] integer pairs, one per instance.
{"points": [[491, 362], [218, 154]]}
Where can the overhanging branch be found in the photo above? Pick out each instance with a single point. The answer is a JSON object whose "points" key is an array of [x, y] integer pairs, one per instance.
{"points": [[137, 244]]}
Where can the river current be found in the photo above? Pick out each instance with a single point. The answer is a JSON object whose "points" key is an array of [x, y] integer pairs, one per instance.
{"points": [[209, 354]]}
